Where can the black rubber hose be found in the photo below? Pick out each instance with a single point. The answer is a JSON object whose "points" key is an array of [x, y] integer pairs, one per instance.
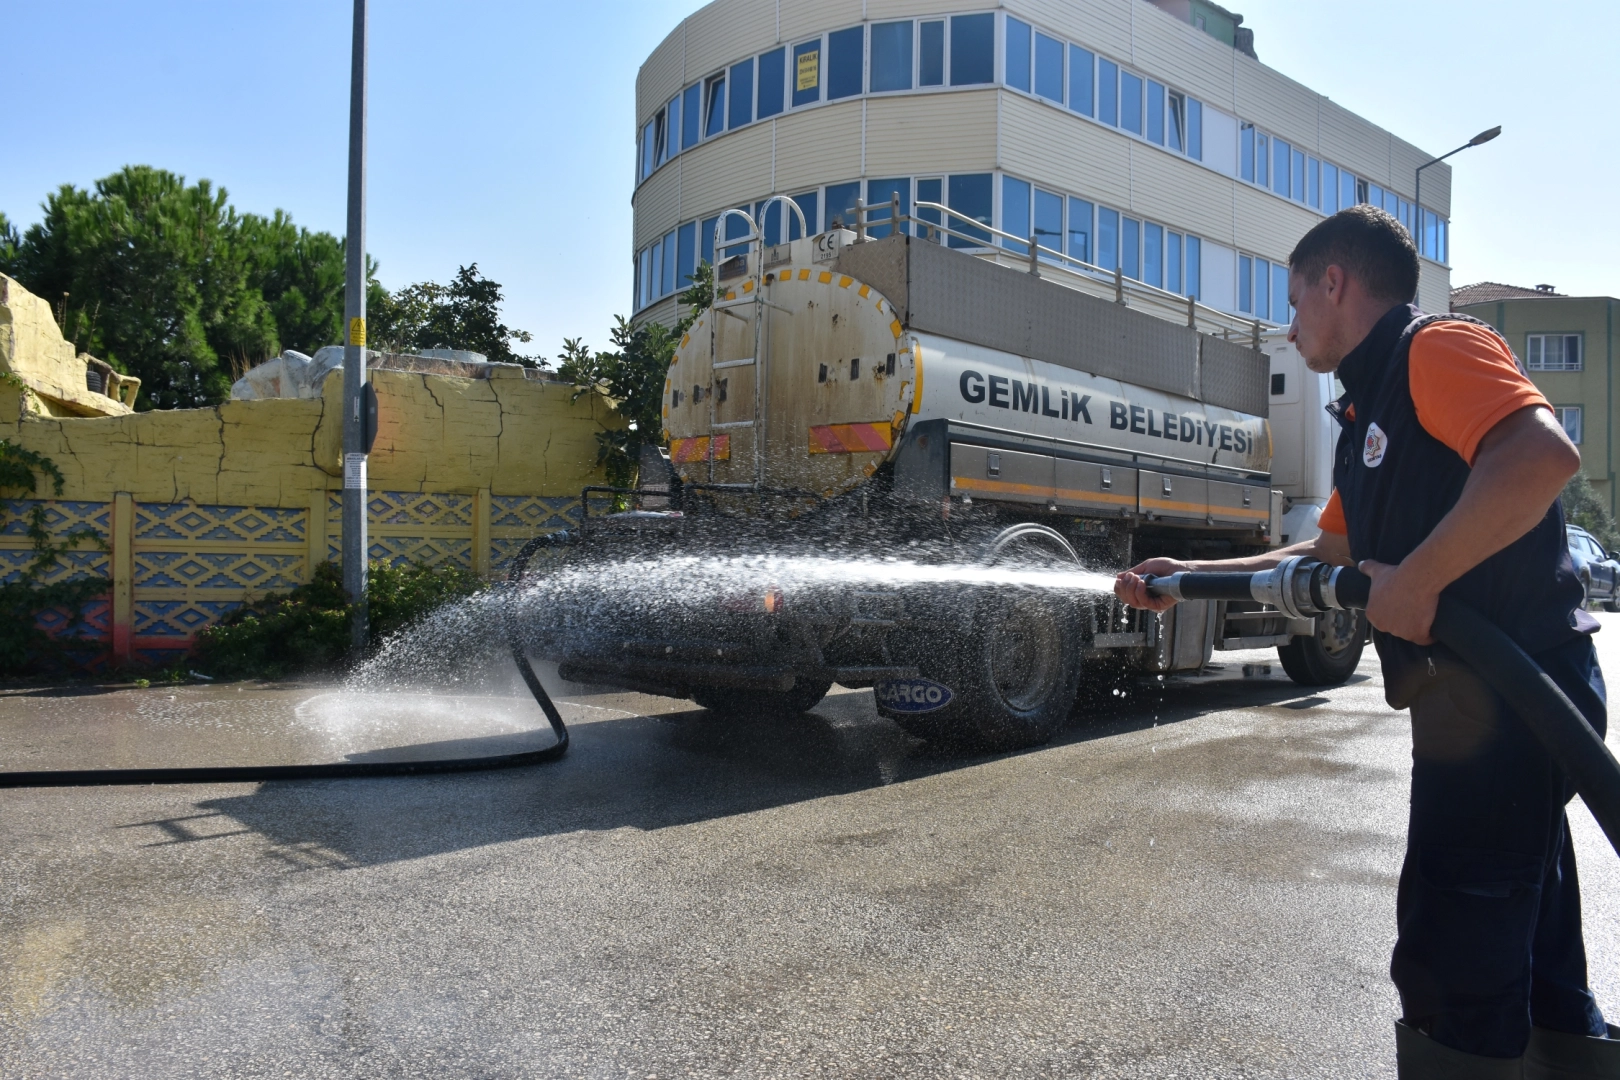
{"points": [[1207, 585], [238, 774]]}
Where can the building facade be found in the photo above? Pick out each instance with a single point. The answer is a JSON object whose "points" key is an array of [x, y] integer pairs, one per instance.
{"points": [[1567, 346], [1128, 134]]}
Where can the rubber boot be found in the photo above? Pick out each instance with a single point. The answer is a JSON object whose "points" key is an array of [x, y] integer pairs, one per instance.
{"points": [[1418, 1057], [1554, 1055]]}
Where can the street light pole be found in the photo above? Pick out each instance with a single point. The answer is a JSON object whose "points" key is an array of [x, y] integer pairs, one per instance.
{"points": [[1417, 192], [354, 353]]}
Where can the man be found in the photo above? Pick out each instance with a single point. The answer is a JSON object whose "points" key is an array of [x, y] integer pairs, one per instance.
{"points": [[1446, 479]]}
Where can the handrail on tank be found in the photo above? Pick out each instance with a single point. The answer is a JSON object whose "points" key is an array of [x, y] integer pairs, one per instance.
{"points": [[765, 207], [720, 224], [1222, 318]]}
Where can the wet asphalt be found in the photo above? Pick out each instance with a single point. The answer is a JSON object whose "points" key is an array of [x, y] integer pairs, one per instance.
{"points": [[1198, 881]]}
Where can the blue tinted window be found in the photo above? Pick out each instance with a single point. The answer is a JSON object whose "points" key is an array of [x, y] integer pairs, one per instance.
{"points": [[929, 191], [655, 259], [846, 57], [1262, 288], [1155, 113], [970, 198], [1279, 294], [1014, 213], [1080, 80], [641, 278], [672, 137], [973, 49], [1279, 167], [1313, 194], [1153, 255], [1049, 221], [714, 111], [1018, 55], [736, 229], [891, 56], [1195, 129], [810, 203], [1107, 238], [1108, 92], [691, 120], [841, 200], [1262, 160], [1296, 175], [742, 94], [770, 221], [1375, 195], [878, 196], [1175, 123], [667, 270], [1172, 262], [931, 54], [1347, 190], [1245, 283], [686, 246], [805, 74], [647, 162], [1195, 256], [1246, 153], [1049, 68], [1130, 102], [772, 82], [1330, 188], [706, 239], [1080, 230], [1130, 247]]}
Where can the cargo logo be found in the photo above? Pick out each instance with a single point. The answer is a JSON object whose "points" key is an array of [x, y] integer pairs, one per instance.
{"points": [[1032, 397], [1376, 446], [912, 695]]}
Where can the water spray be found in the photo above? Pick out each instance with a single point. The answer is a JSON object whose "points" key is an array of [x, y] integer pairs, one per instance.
{"points": [[1302, 588]]}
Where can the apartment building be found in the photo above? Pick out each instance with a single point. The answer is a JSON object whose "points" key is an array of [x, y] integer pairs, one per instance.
{"points": [[1137, 135], [1567, 346]]}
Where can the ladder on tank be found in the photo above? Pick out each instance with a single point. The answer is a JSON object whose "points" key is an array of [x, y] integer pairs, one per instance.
{"points": [[749, 293]]}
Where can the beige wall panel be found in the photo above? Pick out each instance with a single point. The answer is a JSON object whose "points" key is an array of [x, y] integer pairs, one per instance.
{"points": [[728, 171], [1276, 102], [657, 204], [1404, 159], [802, 19], [1434, 285], [660, 77], [1045, 144], [1267, 226], [727, 31], [934, 133], [817, 146], [1183, 57], [1175, 192], [1103, 25], [882, 10], [1355, 144]]}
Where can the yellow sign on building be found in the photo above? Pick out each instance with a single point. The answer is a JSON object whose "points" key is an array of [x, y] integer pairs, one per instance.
{"points": [[809, 70]]}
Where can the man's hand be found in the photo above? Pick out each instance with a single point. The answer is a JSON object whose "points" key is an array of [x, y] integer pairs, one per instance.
{"points": [[1400, 603], [1131, 590]]}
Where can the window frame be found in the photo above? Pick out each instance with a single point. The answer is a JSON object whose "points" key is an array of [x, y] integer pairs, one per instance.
{"points": [[1535, 351]]}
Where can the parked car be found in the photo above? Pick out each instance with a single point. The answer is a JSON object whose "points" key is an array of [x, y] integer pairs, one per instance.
{"points": [[1598, 570]]}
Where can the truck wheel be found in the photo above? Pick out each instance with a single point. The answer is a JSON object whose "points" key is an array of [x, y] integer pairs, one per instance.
{"points": [[803, 697], [1612, 605], [1329, 656], [1015, 673]]}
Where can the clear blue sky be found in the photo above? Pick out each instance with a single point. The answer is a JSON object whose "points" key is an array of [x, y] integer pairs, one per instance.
{"points": [[501, 132]]}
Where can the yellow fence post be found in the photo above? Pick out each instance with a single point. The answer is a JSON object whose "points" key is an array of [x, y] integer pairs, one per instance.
{"points": [[315, 533], [480, 532], [123, 577]]}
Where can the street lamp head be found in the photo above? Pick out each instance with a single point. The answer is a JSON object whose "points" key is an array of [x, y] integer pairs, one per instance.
{"points": [[1485, 136]]}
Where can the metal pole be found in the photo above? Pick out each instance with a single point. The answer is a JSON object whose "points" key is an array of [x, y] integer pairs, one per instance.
{"points": [[355, 543]]}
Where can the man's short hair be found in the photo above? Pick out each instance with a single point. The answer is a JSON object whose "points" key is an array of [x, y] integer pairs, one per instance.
{"points": [[1368, 245]]}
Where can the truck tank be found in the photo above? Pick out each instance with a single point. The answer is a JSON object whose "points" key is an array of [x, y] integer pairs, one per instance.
{"points": [[868, 396]]}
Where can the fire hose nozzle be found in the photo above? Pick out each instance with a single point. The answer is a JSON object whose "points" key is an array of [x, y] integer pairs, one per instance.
{"points": [[1300, 587]]}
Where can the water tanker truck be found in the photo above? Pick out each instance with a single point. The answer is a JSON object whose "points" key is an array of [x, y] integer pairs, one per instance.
{"points": [[967, 398]]}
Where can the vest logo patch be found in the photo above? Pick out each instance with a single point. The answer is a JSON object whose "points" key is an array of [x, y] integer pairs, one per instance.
{"points": [[1373, 450]]}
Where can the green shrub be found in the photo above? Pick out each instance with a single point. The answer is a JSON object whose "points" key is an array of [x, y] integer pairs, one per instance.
{"points": [[1583, 507], [306, 631]]}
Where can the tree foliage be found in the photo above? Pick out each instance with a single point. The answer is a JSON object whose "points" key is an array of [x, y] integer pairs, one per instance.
{"points": [[632, 375], [168, 282], [465, 314], [1583, 507]]}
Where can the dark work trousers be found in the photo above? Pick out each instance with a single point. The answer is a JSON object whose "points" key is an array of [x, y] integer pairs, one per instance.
{"points": [[1489, 908]]}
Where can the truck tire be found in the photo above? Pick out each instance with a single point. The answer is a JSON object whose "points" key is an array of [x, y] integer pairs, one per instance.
{"points": [[1014, 672], [1329, 656], [743, 703]]}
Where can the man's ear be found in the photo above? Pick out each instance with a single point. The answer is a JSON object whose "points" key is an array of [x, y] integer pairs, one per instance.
{"points": [[1333, 283]]}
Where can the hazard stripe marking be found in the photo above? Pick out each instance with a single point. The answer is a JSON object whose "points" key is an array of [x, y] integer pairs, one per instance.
{"points": [[685, 451], [877, 437]]}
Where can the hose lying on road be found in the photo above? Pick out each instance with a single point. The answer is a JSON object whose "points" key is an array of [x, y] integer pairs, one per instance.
{"points": [[238, 774], [1304, 587]]}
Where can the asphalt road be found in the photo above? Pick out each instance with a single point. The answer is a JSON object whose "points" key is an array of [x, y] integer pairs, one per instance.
{"points": [[1197, 883]]}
